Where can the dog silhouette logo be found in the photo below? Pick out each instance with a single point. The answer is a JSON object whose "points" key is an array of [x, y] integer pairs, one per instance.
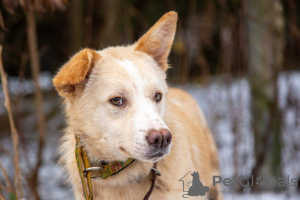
{"points": [[192, 185]]}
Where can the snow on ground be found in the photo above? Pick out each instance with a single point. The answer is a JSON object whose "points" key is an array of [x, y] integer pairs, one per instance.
{"points": [[224, 106], [265, 196]]}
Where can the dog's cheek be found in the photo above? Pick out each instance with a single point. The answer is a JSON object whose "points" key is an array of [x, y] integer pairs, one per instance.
{"points": [[161, 108], [116, 127]]}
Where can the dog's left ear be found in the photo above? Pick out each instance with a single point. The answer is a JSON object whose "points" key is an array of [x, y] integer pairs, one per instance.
{"points": [[158, 41], [74, 74]]}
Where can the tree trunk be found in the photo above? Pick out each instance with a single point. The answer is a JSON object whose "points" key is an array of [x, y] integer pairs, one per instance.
{"points": [[76, 25], [266, 45]]}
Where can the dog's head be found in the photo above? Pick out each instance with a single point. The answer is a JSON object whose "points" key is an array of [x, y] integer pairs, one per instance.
{"points": [[115, 98]]}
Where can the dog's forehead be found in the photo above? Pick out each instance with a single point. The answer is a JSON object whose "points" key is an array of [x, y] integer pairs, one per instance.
{"points": [[129, 63]]}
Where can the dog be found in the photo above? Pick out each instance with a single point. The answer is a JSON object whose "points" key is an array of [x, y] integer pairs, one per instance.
{"points": [[118, 103]]}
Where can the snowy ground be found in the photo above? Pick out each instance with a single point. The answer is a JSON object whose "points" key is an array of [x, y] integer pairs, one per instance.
{"points": [[223, 105], [265, 196]]}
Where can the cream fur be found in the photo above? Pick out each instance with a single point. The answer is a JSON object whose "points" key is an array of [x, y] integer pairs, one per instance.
{"points": [[113, 133]]}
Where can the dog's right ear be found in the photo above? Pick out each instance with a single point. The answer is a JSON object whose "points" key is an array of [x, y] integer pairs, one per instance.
{"points": [[75, 72], [158, 40]]}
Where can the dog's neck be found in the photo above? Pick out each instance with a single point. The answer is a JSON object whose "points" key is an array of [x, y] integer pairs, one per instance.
{"points": [[104, 171], [135, 173], [101, 169]]}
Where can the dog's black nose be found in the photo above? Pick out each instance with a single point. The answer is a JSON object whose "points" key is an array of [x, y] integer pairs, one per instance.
{"points": [[159, 139]]}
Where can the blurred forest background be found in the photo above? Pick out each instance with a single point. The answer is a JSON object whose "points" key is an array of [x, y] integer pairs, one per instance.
{"points": [[238, 58]]}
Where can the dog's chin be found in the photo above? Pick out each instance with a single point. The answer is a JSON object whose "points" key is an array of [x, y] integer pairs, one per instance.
{"points": [[151, 159]]}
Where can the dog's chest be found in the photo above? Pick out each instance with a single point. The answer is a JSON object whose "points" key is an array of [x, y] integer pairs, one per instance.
{"points": [[135, 190]]}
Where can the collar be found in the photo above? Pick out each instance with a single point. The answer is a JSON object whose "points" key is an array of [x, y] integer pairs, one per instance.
{"points": [[104, 171], [108, 169]]}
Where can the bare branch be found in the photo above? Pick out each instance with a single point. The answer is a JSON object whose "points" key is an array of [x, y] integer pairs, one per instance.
{"points": [[35, 69], [1, 197], [2, 21], [14, 132], [7, 181]]}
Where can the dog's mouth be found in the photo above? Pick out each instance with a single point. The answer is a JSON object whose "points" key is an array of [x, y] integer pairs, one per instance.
{"points": [[153, 155], [158, 155]]}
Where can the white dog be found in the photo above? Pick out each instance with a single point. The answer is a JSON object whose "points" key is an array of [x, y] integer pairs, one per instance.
{"points": [[126, 118]]}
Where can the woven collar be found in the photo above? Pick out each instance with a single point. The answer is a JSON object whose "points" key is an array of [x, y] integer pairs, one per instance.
{"points": [[109, 169], [104, 171]]}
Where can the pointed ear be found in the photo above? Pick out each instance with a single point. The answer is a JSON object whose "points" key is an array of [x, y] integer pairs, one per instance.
{"points": [[74, 73], [158, 40]]}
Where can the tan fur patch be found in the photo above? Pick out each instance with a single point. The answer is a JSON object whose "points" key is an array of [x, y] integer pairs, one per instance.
{"points": [[158, 40], [75, 71]]}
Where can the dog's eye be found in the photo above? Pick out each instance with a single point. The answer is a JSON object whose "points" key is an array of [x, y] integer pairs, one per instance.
{"points": [[158, 97], [118, 101]]}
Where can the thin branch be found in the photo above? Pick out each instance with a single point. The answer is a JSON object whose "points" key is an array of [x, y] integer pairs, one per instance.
{"points": [[1, 197], [2, 25], [35, 69], [6, 178], [23, 147], [14, 132], [2, 187]]}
